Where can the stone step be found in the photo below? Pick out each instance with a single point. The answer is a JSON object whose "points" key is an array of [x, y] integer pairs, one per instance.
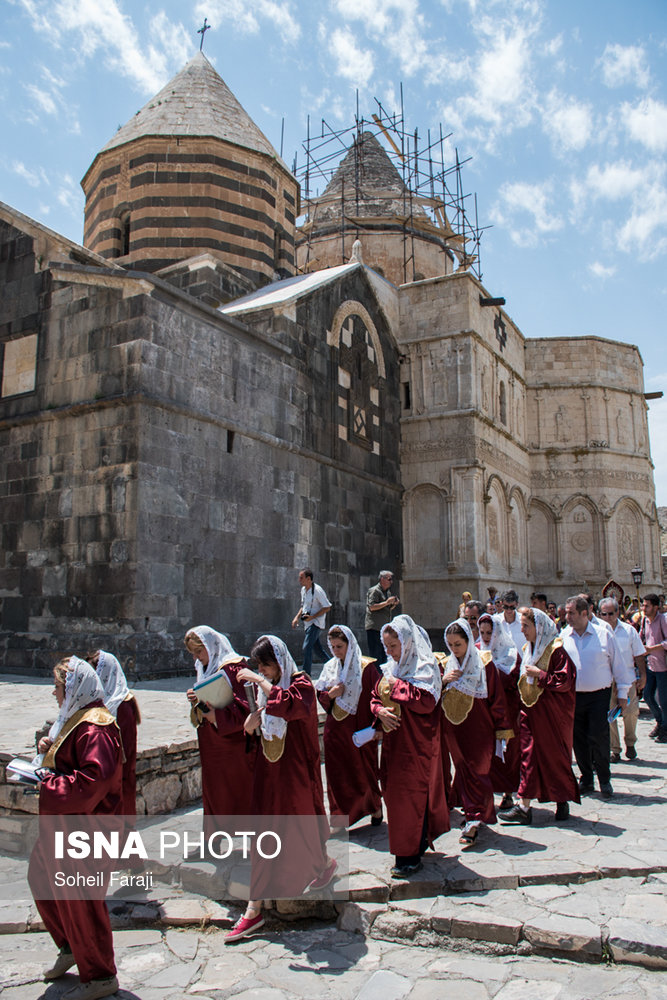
{"points": [[576, 921]]}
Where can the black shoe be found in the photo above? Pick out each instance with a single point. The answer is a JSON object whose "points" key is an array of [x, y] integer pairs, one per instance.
{"points": [[516, 815], [562, 811], [376, 820], [654, 732], [405, 871], [586, 787], [662, 736], [507, 801], [615, 758], [631, 753], [606, 790]]}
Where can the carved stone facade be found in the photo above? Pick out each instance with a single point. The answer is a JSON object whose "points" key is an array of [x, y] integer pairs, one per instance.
{"points": [[532, 455]]}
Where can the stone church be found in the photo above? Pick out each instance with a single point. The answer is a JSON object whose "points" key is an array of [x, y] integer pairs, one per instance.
{"points": [[203, 398]]}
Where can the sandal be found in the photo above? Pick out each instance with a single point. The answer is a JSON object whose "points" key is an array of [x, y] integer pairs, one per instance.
{"points": [[468, 837]]}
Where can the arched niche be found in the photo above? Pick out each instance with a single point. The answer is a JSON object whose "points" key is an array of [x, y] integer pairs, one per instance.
{"points": [[581, 540], [426, 528], [518, 554], [541, 541], [628, 533], [496, 526]]}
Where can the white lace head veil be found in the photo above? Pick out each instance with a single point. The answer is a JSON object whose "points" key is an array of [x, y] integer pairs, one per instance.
{"points": [[82, 686], [217, 646], [417, 664], [271, 725], [113, 681], [473, 677], [348, 673]]}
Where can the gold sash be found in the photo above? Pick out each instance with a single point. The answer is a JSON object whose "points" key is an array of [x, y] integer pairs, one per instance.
{"points": [[530, 693], [339, 713], [273, 749], [98, 715], [384, 690], [455, 704]]}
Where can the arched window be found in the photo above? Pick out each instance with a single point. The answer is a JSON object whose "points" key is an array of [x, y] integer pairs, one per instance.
{"points": [[124, 233]]}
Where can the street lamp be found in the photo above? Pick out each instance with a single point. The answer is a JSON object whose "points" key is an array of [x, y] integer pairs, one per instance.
{"points": [[637, 576]]}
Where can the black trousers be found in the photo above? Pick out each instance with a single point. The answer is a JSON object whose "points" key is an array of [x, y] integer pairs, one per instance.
{"points": [[375, 647], [591, 735]]}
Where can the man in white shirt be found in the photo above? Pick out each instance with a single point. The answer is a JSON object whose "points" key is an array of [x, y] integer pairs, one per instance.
{"points": [[599, 663], [633, 654], [509, 620], [312, 612]]}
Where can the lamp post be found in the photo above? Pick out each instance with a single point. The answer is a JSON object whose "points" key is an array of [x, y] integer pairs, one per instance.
{"points": [[637, 576]]}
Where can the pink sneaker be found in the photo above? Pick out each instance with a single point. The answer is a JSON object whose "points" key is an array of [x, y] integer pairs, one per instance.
{"points": [[326, 877], [244, 927]]}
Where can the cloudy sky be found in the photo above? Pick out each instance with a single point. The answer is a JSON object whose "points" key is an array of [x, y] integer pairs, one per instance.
{"points": [[562, 106]]}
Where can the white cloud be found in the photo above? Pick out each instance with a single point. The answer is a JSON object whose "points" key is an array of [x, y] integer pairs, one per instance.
{"points": [[600, 271], [99, 27], [398, 24], [645, 230], [352, 62], [567, 121], [646, 123], [42, 98], [69, 194], [615, 180], [245, 17], [624, 64], [33, 177], [520, 199]]}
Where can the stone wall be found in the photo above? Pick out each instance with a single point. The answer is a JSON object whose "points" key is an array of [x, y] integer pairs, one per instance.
{"points": [[174, 467]]}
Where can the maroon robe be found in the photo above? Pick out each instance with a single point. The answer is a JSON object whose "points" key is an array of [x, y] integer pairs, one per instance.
{"points": [[472, 746], [352, 772], [546, 735], [227, 756], [88, 782], [126, 717], [411, 771], [505, 774], [291, 787]]}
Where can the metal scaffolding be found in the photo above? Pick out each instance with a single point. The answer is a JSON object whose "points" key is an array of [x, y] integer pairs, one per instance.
{"points": [[429, 184]]}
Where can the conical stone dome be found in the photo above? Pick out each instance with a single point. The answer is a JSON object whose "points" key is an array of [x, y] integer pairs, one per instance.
{"points": [[367, 198], [196, 102], [190, 174]]}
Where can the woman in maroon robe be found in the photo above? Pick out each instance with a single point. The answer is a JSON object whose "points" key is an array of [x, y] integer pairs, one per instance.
{"points": [[344, 689], [122, 704], [287, 785], [547, 687], [476, 726], [405, 701], [504, 773], [84, 750], [227, 757]]}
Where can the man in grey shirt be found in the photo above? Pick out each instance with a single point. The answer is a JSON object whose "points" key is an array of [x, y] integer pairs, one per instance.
{"points": [[381, 606]]}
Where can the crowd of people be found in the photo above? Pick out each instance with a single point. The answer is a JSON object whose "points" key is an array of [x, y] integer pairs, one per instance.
{"points": [[514, 692]]}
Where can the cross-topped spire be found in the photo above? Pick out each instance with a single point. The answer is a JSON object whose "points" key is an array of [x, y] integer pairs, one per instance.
{"points": [[202, 31]]}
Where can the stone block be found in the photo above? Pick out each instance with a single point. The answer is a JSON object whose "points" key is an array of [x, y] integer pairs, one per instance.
{"points": [[481, 924], [394, 925], [639, 943], [384, 985], [568, 934], [358, 917], [161, 794]]}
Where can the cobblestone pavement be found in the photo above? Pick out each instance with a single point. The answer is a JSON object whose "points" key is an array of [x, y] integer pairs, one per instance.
{"points": [[322, 962], [571, 911]]}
